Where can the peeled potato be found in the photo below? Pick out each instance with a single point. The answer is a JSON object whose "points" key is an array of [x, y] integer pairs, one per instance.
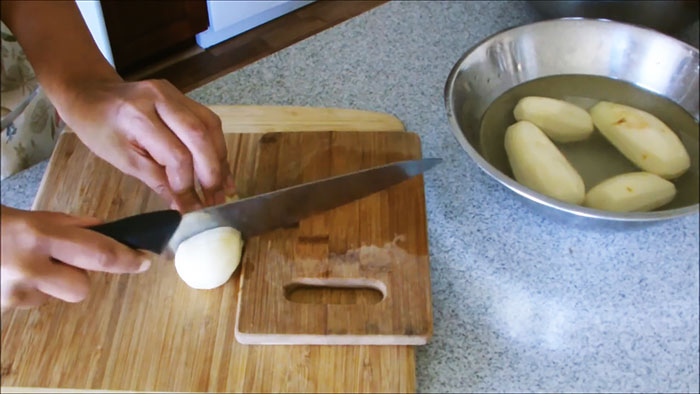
{"points": [[634, 191], [538, 164], [208, 259], [642, 138], [561, 121]]}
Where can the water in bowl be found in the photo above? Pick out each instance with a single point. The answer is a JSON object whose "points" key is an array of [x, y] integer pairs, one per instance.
{"points": [[595, 158]]}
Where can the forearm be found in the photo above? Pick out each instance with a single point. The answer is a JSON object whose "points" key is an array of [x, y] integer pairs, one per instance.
{"points": [[147, 129], [59, 46]]}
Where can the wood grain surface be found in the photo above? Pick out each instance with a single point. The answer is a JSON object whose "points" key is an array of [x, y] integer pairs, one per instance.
{"points": [[282, 118], [150, 332], [377, 242], [267, 118]]}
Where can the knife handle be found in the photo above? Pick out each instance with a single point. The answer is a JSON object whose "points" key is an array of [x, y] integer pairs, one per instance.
{"points": [[150, 231]]}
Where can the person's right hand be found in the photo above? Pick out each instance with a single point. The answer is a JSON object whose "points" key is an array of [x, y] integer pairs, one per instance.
{"points": [[45, 254], [151, 131]]}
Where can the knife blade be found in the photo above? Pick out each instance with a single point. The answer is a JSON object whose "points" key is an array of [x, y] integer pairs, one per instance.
{"points": [[161, 230]]}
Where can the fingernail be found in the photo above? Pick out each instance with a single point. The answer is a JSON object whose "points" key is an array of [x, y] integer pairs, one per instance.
{"points": [[145, 265]]}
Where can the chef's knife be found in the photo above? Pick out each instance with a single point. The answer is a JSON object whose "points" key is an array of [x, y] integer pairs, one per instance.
{"points": [[156, 231]]}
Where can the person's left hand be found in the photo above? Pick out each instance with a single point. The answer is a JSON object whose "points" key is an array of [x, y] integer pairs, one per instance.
{"points": [[151, 131]]}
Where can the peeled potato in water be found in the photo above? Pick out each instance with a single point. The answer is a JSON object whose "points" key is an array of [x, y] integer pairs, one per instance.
{"points": [[538, 164], [644, 139], [560, 120], [634, 191]]}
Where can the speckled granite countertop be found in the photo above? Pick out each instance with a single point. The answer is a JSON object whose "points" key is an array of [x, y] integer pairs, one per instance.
{"points": [[521, 303]]}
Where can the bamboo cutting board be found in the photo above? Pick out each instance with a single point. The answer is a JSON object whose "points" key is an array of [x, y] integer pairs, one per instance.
{"points": [[128, 335], [378, 242]]}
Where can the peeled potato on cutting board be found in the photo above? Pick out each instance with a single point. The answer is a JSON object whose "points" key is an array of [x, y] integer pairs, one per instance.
{"points": [[561, 121], [208, 259], [642, 138], [634, 191], [538, 164]]}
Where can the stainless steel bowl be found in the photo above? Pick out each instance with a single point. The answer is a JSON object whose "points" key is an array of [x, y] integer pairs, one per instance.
{"points": [[666, 15], [643, 57]]}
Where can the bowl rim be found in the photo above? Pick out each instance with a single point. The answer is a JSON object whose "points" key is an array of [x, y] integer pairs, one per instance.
{"points": [[527, 192]]}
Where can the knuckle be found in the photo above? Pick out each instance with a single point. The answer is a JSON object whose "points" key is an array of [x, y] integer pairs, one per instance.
{"points": [[156, 86], [32, 236], [106, 258], [153, 85], [182, 160], [149, 90], [161, 189], [214, 175], [132, 164], [196, 129], [214, 121], [134, 110]]}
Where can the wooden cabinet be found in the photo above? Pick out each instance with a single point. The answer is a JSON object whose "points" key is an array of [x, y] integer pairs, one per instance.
{"points": [[140, 31], [231, 18]]}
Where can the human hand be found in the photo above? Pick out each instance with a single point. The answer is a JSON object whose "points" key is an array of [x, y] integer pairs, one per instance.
{"points": [[45, 254], [151, 131]]}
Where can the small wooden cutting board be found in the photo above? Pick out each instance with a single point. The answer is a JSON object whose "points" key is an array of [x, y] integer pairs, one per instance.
{"points": [[376, 243]]}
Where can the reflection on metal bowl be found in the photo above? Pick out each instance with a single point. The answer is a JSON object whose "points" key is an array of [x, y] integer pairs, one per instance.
{"points": [[665, 15]]}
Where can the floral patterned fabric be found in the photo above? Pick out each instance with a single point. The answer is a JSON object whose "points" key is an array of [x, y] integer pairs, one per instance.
{"points": [[30, 124]]}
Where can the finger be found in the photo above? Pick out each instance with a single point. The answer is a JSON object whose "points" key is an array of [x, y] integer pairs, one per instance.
{"points": [[150, 173], [213, 125], [168, 151], [16, 295], [197, 138], [211, 120], [69, 219], [64, 282], [86, 249], [154, 176]]}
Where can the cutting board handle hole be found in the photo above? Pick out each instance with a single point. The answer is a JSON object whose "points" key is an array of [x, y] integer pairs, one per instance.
{"points": [[335, 291]]}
